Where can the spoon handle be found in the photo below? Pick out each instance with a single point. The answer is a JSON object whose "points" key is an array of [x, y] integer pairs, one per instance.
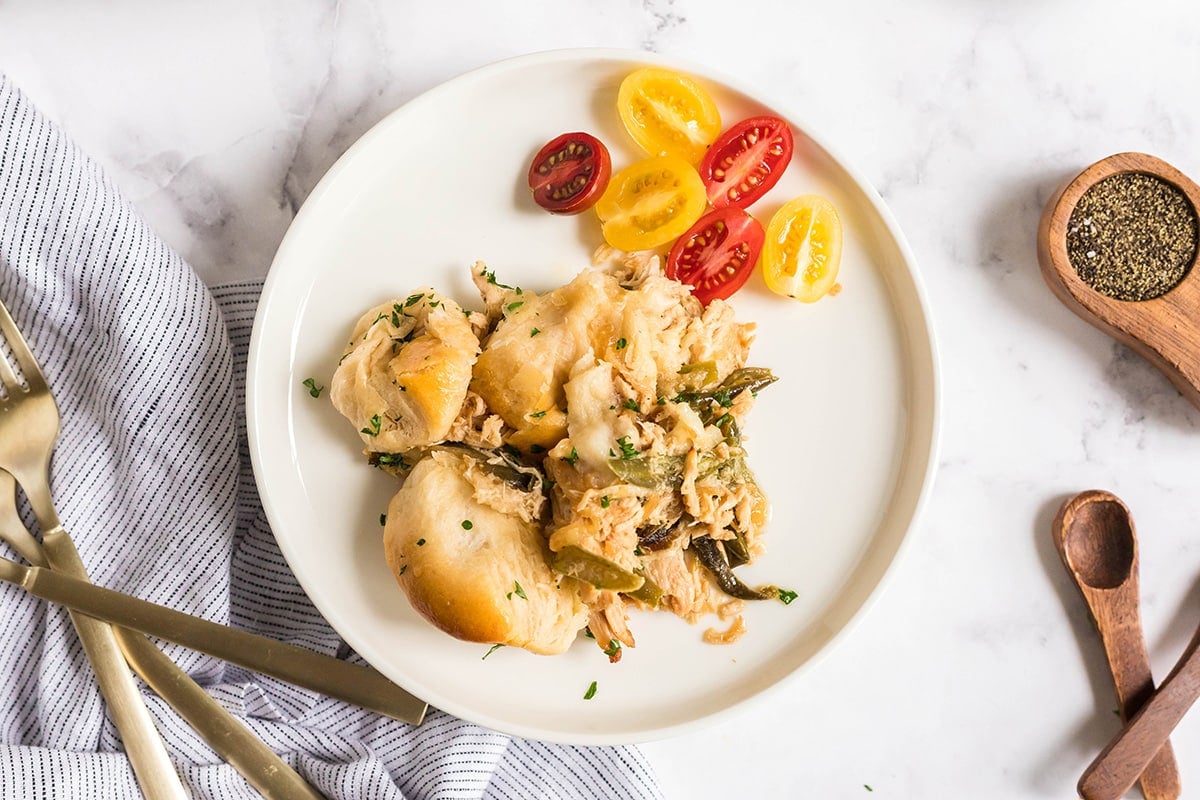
{"points": [[1111, 774], [1125, 647]]}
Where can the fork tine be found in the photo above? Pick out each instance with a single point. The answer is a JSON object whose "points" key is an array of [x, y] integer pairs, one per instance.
{"points": [[12, 529], [20, 350], [12, 384]]}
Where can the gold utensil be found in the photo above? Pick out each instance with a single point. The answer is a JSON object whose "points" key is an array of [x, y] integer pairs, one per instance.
{"points": [[262, 768], [28, 430], [330, 676]]}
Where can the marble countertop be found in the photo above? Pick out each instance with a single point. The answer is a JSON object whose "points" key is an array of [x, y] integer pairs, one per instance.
{"points": [[978, 671]]}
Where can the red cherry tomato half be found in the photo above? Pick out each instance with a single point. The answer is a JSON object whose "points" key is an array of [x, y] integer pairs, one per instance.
{"points": [[570, 173], [717, 254], [746, 161]]}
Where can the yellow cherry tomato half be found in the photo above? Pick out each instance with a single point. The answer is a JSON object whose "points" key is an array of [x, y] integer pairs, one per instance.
{"points": [[668, 113], [650, 203], [803, 249]]}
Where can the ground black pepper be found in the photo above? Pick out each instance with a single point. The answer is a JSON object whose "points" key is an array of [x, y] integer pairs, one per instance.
{"points": [[1132, 236]]}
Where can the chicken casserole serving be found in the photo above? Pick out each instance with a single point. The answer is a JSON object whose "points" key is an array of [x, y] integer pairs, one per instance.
{"points": [[565, 457]]}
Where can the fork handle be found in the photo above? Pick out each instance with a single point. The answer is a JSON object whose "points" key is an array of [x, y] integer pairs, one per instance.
{"points": [[258, 764], [147, 754], [333, 677]]}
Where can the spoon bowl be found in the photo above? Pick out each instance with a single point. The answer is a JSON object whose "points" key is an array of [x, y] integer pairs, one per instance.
{"points": [[1098, 544], [1095, 537]]}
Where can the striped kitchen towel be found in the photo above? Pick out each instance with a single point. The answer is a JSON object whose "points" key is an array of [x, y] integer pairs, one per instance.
{"points": [[152, 477]]}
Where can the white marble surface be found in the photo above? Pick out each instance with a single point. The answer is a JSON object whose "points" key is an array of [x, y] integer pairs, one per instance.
{"points": [[978, 673]]}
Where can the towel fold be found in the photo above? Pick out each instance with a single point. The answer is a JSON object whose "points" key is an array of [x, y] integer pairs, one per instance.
{"points": [[152, 477]]}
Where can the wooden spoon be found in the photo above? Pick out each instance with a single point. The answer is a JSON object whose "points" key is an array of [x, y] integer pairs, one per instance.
{"points": [[1118, 765], [1095, 538], [1166, 329]]}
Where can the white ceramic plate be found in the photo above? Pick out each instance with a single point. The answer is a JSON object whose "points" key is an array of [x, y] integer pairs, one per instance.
{"points": [[843, 444]]}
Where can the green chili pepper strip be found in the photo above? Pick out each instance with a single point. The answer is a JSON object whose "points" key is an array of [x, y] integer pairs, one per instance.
{"points": [[649, 592], [596, 570], [709, 368], [665, 471], [736, 551], [498, 464], [661, 537], [710, 555], [649, 472], [745, 379]]}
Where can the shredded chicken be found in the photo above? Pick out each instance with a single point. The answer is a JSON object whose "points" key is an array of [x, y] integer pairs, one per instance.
{"points": [[729, 635], [608, 411]]}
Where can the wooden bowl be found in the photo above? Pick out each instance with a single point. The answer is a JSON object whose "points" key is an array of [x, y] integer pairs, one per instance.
{"points": [[1165, 329]]}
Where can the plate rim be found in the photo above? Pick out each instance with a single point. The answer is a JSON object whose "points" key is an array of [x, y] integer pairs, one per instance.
{"points": [[928, 341]]}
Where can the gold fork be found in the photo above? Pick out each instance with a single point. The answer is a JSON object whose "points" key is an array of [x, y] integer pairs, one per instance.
{"points": [[28, 429], [262, 768], [29, 424]]}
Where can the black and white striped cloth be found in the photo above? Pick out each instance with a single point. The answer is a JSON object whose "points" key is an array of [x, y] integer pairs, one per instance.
{"points": [[152, 478]]}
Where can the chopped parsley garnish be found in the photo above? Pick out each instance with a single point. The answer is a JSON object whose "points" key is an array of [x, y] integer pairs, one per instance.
{"points": [[621, 343], [374, 429], [867, 786], [628, 451], [420, 542], [786, 596], [413, 299], [402, 569], [722, 397], [514, 306], [591, 692], [467, 524], [390, 460], [632, 405], [491, 278], [662, 401], [383, 519], [381, 316], [588, 633], [605, 502], [571, 459], [613, 648], [491, 650], [534, 332], [518, 591], [395, 319], [537, 414], [312, 387]]}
